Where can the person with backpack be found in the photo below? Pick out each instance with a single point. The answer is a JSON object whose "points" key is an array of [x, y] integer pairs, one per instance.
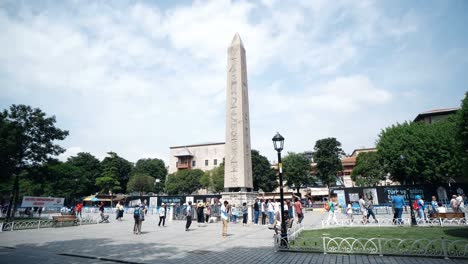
{"points": [[137, 214], [419, 206], [225, 210]]}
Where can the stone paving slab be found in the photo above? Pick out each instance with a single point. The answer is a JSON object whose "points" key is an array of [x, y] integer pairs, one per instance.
{"points": [[172, 244]]}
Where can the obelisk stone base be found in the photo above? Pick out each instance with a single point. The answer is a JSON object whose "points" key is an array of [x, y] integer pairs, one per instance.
{"points": [[238, 198]]}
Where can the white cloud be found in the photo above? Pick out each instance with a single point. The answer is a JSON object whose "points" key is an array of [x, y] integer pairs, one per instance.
{"points": [[138, 78]]}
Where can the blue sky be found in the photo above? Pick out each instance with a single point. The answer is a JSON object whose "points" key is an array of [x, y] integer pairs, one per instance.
{"points": [[136, 77]]}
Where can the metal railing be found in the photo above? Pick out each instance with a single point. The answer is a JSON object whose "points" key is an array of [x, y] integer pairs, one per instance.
{"points": [[391, 222], [38, 224]]}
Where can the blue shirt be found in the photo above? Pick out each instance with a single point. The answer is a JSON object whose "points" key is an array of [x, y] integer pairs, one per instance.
{"points": [[398, 201]]}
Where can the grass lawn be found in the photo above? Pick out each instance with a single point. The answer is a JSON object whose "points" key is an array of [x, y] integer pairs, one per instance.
{"points": [[312, 239]]}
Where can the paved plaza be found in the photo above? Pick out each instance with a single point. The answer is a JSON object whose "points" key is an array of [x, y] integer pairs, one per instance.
{"points": [[115, 243]]}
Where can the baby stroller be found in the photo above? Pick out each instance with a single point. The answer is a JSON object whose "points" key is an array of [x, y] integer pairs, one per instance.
{"points": [[104, 218]]}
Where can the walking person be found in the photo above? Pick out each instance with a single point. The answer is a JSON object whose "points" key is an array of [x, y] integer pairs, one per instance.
{"points": [[207, 212], [331, 213], [264, 209], [244, 214], [434, 206], [370, 211], [349, 212], [79, 208], [234, 214], [454, 203], [200, 215], [461, 203], [271, 212], [256, 209], [162, 214], [188, 212], [137, 217], [298, 208], [225, 209], [420, 203], [289, 207], [362, 206], [397, 205]]}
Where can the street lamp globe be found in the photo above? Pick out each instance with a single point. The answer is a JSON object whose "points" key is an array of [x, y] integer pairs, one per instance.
{"points": [[278, 142]]}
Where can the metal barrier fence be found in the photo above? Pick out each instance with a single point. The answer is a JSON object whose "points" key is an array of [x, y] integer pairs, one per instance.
{"points": [[391, 221], [38, 224]]}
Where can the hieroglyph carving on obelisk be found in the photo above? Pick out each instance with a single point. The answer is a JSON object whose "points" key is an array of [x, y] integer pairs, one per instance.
{"points": [[238, 160]]}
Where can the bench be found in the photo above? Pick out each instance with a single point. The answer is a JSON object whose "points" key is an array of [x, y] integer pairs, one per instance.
{"points": [[64, 219], [448, 215]]}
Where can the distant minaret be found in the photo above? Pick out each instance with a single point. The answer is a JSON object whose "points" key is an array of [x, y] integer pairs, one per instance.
{"points": [[238, 160]]}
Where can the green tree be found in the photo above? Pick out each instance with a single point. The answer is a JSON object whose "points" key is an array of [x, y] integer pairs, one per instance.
{"points": [[140, 182], [184, 181], [206, 181], [462, 135], [327, 155], [152, 167], [27, 140], [296, 169], [420, 153], [263, 174], [218, 178], [67, 181], [118, 167], [91, 169], [368, 170], [213, 179]]}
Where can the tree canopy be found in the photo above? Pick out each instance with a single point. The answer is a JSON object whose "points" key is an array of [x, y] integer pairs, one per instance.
{"points": [[153, 167], [263, 175], [368, 170], [184, 181], [327, 155], [27, 138], [296, 169], [461, 126], [213, 179], [419, 152], [140, 182], [118, 168], [90, 168]]}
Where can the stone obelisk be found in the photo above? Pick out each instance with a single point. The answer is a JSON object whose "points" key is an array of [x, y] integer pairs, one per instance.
{"points": [[238, 185]]}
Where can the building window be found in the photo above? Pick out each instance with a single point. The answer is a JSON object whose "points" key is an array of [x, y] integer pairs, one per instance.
{"points": [[215, 162], [206, 162], [193, 163]]}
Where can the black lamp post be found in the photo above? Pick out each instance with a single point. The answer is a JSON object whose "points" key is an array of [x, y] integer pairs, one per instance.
{"points": [[413, 218], [278, 142], [157, 194]]}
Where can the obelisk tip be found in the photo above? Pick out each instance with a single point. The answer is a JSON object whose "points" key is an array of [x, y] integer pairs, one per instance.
{"points": [[237, 40]]}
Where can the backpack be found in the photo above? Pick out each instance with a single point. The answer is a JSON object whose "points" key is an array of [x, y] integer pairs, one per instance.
{"points": [[327, 206], [415, 205], [136, 213]]}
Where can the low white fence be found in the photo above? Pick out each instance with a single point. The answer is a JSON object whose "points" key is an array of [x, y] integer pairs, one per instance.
{"points": [[394, 246], [43, 223], [391, 221]]}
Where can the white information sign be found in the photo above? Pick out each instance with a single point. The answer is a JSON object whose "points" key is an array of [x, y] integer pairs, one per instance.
{"points": [[29, 201]]}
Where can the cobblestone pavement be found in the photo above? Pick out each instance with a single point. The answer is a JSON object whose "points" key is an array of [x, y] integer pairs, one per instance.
{"points": [[115, 242]]}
